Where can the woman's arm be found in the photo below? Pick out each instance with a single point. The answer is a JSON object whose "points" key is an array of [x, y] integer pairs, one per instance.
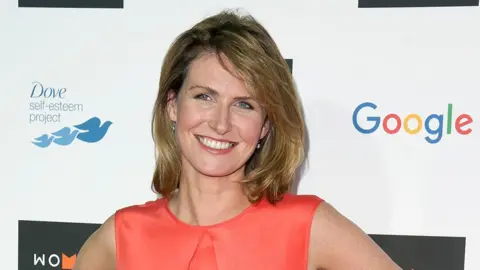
{"points": [[98, 252], [336, 243]]}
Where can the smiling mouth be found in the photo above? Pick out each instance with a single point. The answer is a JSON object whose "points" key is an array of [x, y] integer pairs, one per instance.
{"points": [[214, 144]]}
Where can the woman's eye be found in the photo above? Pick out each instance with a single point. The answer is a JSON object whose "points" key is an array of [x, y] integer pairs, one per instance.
{"points": [[245, 105], [202, 96]]}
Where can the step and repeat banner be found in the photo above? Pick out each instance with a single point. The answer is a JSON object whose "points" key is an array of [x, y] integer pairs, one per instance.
{"points": [[390, 92]]}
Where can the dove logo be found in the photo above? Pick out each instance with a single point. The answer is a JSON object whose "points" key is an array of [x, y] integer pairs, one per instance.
{"points": [[90, 131]]}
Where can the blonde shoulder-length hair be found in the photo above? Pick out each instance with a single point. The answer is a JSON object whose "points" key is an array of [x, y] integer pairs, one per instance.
{"points": [[257, 60]]}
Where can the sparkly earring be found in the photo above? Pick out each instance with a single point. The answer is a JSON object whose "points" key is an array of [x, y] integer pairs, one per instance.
{"points": [[173, 126], [258, 145]]}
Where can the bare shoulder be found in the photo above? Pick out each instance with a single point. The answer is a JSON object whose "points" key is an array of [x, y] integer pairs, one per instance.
{"points": [[98, 252], [337, 243]]}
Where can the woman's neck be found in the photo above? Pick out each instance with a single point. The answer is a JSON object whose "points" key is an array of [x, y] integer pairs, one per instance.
{"points": [[207, 201]]}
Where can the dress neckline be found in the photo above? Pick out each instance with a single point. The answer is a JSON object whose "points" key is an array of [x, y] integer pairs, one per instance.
{"points": [[233, 219]]}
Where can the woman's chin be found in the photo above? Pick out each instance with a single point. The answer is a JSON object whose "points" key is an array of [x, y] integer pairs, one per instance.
{"points": [[217, 171]]}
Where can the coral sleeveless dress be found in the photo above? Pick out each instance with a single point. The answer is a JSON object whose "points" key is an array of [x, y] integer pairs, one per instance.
{"points": [[262, 237]]}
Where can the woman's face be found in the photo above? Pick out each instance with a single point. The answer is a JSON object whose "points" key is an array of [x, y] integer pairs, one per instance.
{"points": [[218, 123]]}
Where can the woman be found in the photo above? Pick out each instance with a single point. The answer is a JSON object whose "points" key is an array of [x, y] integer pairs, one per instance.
{"points": [[229, 134]]}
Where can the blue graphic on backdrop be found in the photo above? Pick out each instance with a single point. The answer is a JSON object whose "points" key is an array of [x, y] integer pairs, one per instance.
{"points": [[90, 131]]}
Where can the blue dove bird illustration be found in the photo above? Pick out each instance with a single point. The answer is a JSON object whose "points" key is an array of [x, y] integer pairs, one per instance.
{"points": [[92, 131], [43, 141], [64, 136]]}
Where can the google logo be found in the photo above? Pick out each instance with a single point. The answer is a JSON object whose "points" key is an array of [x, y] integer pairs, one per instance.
{"points": [[435, 132]]}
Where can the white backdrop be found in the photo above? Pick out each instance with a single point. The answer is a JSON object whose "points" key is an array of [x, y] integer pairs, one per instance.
{"points": [[403, 60]]}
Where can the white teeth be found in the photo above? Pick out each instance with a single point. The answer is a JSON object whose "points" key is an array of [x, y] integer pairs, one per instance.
{"points": [[215, 144]]}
